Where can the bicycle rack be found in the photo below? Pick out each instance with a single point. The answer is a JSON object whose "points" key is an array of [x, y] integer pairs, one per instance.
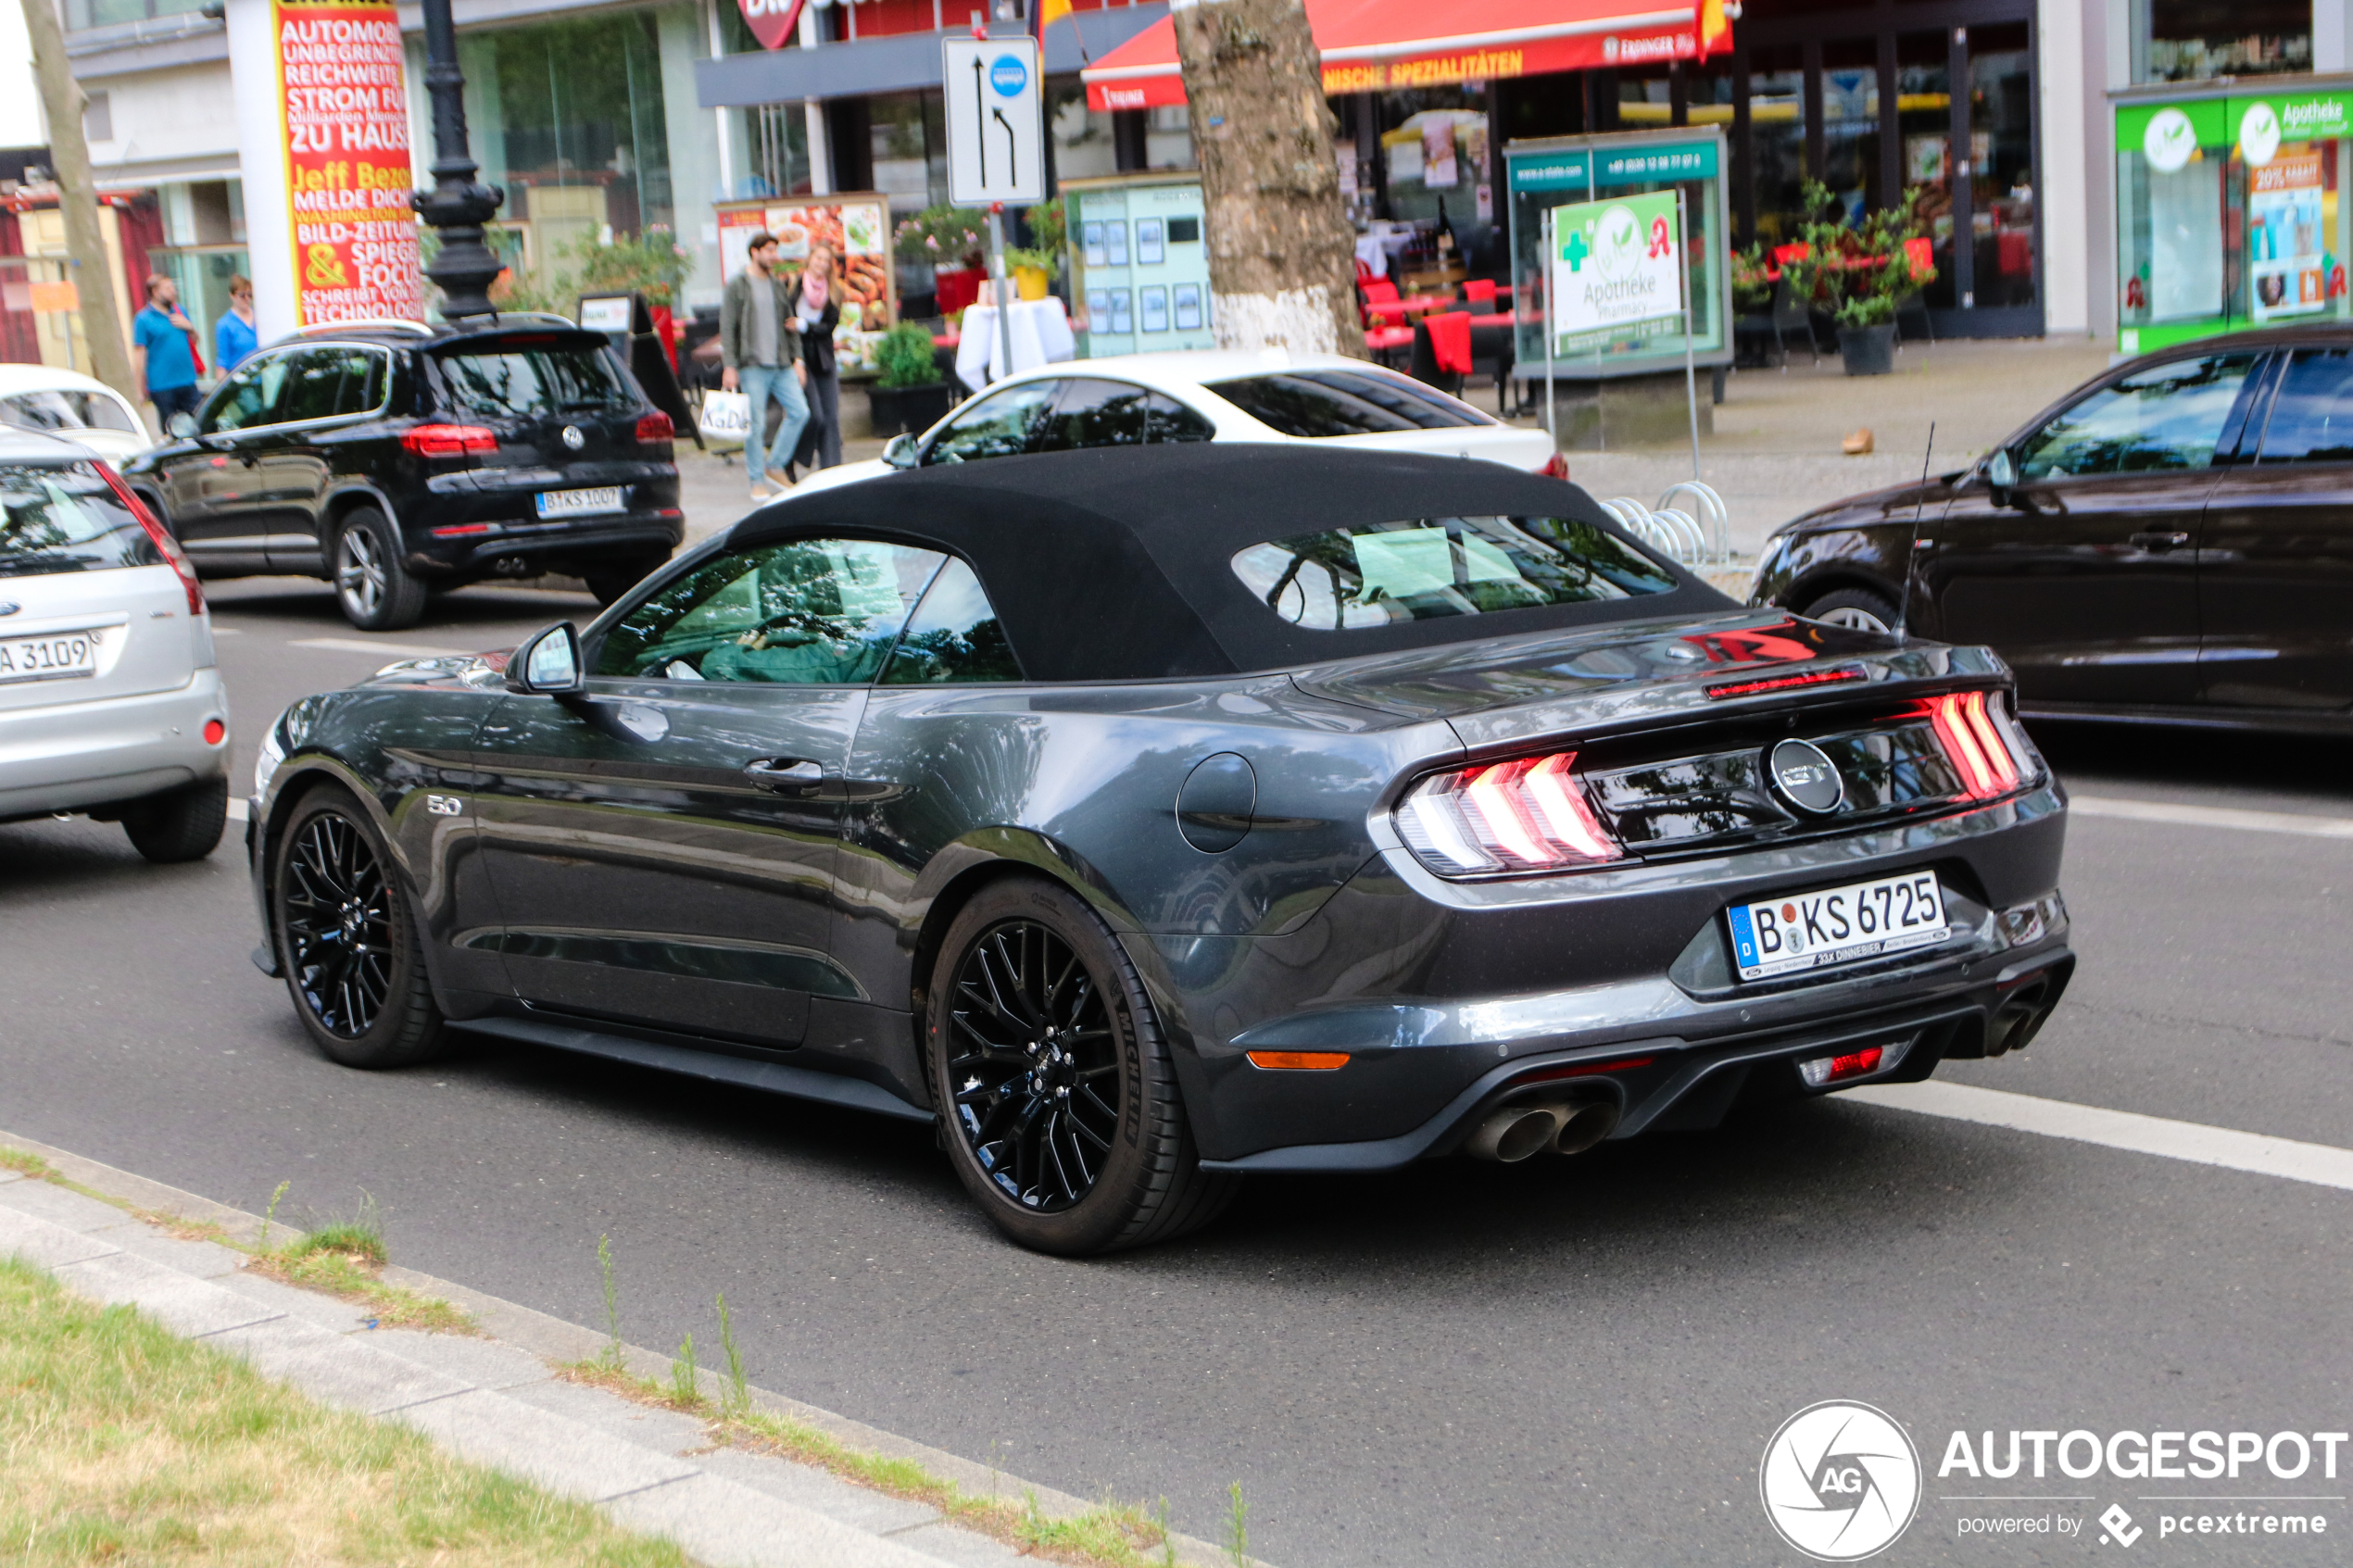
{"points": [[1697, 534]]}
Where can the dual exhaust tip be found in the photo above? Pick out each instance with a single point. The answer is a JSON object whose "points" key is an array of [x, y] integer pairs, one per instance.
{"points": [[1564, 1126]]}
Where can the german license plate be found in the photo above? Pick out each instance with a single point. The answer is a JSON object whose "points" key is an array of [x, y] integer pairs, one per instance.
{"points": [[1863, 920], [60, 656], [581, 503]]}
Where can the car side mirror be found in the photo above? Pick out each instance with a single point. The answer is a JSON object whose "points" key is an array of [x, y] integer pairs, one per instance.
{"points": [[2001, 476], [900, 453], [549, 663], [181, 425]]}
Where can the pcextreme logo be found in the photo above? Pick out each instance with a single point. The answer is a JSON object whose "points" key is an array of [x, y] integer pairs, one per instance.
{"points": [[1839, 1481]]}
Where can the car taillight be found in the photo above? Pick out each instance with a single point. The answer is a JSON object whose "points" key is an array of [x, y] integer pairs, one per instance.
{"points": [[448, 441], [654, 427], [164, 542], [1972, 737], [1555, 466], [1525, 815]]}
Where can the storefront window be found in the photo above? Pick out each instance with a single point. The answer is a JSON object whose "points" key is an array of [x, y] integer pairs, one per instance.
{"points": [[775, 144], [1924, 119], [2002, 164], [110, 13], [910, 141], [1850, 123], [2197, 40], [1436, 156], [1085, 145], [1777, 139], [1168, 137]]}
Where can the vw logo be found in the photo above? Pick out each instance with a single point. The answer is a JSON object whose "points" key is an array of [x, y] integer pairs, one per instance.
{"points": [[1839, 1481], [573, 439], [1805, 778]]}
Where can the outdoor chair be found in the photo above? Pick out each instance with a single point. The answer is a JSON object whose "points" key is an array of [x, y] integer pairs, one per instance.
{"points": [[1492, 349], [1921, 253], [1441, 351], [1790, 314], [1480, 293], [1379, 293]]}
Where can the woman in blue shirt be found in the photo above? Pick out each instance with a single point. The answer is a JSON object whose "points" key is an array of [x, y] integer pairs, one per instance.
{"points": [[235, 337]]}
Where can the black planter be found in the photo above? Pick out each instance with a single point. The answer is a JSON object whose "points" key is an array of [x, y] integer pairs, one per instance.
{"points": [[908, 409], [1868, 351]]}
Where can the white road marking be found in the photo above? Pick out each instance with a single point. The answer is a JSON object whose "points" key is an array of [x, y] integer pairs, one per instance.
{"points": [[388, 650], [2209, 816], [2321, 1164]]}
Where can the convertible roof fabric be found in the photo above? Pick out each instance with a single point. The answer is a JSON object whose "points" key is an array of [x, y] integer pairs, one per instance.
{"points": [[1113, 564]]}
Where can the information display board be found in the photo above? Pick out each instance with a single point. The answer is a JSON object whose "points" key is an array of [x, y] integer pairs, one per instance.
{"points": [[2229, 210], [1609, 293], [1139, 268]]}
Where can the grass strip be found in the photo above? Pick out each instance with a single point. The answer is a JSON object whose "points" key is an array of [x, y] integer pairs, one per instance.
{"points": [[119, 1440], [1110, 1535]]}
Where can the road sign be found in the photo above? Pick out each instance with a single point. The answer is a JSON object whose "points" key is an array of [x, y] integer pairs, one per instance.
{"points": [[996, 127]]}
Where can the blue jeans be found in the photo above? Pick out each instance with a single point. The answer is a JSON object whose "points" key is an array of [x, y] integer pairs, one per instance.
{"points": [[171, 400], [759, 383]]}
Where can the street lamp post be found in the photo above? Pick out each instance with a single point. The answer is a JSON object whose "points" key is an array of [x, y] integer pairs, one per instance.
{"points": [[459, 205]]}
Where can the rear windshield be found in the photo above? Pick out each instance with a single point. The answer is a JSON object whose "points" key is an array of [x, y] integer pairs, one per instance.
{"points": [[1316, 403], [65, 517], [64, 410], [528, 380], [1427, 568]]}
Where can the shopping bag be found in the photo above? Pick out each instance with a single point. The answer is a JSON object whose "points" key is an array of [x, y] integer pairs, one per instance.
{"points": [[725, 417]]}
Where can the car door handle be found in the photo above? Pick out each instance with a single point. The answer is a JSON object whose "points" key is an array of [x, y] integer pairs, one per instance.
{"points": [[783, 775], [2159, 539]]}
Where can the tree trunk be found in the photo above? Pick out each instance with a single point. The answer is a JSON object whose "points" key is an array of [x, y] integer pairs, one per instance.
{"points": [[62, 101], [1279, 243]]}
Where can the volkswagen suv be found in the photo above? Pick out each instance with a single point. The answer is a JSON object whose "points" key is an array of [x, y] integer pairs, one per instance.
{"points": [[392, 458]]}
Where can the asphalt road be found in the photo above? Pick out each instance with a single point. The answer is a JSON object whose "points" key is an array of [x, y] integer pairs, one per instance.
{"points": [[1562, 1362]]}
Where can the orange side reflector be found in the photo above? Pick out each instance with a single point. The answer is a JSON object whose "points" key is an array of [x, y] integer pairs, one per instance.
{"points": [[1299, 1061]]}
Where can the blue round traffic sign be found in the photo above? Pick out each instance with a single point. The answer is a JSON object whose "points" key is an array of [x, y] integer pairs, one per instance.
{"points": [[1009, 76]]}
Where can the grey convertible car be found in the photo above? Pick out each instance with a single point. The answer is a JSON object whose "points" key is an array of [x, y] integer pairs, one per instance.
{"points": [[1145, 818]]}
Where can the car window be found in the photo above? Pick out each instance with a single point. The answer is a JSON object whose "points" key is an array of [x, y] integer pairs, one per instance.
{"points": [[65, 517], [1000, 425], [2312, 413], [249, 397], [362, 391], [1172, 420], [314, 382], [64, 409], [1422, 569], [515, 376], [952, 636], [2168, 417], [1310, 404], [807, 612], [1095, 413]]}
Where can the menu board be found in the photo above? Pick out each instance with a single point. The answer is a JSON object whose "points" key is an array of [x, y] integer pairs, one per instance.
{"points": [[1139, 271], [856, 227]]}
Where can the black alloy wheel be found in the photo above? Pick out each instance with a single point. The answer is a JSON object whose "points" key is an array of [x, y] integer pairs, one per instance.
{"points": [[347, 939], [1031, 1066], [1048, 1065]]}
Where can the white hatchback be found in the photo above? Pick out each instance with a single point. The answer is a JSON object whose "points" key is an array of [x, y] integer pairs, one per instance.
{"points": [[55, 402], [1209, 395], [110, 700]]}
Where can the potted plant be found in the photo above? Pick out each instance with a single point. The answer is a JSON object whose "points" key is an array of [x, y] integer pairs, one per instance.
{"points": [[909, 393], [1856, 272], [1034, 265]]}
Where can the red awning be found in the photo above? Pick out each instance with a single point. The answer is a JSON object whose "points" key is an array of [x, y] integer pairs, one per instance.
{"points": [[1371, 45]]}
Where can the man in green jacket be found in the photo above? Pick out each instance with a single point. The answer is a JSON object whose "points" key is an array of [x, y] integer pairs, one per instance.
{"points": [[760, 348]]}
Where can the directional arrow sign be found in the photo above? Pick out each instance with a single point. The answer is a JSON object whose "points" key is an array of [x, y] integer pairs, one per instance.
{"points": [[996, 122]]}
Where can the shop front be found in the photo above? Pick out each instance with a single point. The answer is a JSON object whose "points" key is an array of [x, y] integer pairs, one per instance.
{"points": [[2228, 207]]}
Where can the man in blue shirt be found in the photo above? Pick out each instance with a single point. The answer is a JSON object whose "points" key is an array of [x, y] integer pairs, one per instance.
{"points": [[234, 336], [163, 358]]}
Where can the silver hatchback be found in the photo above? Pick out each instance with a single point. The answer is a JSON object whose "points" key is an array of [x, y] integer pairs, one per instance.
{"points": [[110, 701]]}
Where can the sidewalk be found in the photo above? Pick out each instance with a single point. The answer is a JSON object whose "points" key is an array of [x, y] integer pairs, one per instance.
{"points": [[495, 1397]]}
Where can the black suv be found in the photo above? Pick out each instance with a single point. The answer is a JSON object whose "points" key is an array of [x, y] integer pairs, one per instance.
{"points": [[392, 458]]}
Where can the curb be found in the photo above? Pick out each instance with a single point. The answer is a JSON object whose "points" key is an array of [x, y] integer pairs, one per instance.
{"points": [[495, 1400]]}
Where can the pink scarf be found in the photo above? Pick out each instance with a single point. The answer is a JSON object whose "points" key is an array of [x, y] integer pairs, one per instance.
{"points": [[812, 289]]}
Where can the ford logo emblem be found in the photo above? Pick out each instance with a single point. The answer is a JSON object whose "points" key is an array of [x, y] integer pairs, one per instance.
{"points": [[9, 607], [1801, 776], [573, 439]]}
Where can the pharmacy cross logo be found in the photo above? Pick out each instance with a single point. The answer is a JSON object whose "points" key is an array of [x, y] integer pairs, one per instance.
{"points": [[2116, 1527], [1839, 1481]]}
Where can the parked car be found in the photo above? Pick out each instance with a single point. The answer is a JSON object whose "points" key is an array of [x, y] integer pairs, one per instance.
{"points": [[80, 408], [2173, 541], [392, 458], [110, 705], [1209, 395], [1143, 839]]}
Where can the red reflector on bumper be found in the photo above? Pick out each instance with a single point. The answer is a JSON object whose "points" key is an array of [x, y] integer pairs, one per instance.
{"points": [[1586, 1069], [215, 732], [1824, 1070], [1299, 1061], [458, 530]]}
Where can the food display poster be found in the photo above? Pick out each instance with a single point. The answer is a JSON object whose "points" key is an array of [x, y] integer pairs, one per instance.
{"points": [[2287, 268], [857, 227], [344, 111]]}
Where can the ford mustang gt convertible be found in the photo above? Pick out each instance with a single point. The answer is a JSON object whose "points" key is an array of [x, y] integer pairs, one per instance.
{"points": [[1147, 817]]}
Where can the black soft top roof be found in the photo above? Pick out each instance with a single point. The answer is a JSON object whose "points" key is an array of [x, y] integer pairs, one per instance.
{"points": [[1112, 564]]}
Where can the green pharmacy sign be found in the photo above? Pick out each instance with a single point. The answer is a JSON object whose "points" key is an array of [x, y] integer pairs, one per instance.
{"points": [[1617, 270]]}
